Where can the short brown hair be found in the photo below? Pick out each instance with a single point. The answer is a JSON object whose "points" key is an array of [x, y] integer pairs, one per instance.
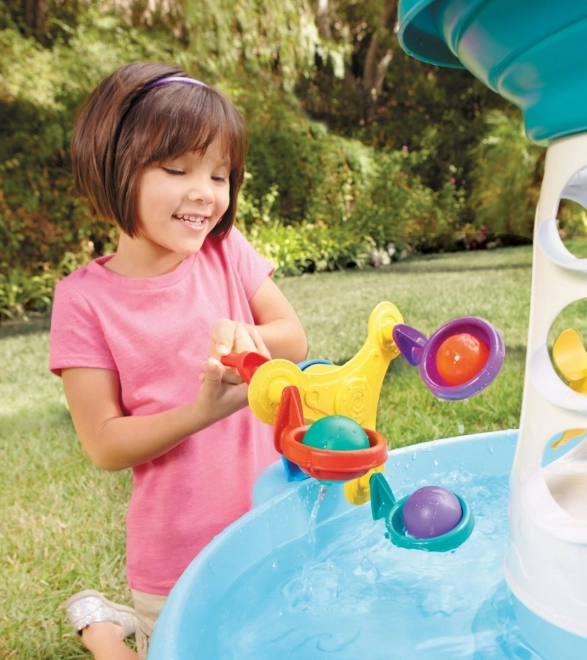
{"points": [[124, 127]]}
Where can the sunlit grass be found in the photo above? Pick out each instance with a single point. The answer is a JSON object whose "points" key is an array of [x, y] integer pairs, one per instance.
{"points": [[62, 519]]}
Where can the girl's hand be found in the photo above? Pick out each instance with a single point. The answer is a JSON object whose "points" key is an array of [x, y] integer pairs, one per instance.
{"points": [[235, 337], [218, 397]]}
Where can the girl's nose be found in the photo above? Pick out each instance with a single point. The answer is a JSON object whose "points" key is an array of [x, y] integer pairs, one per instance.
{"points": [[201, 193]]}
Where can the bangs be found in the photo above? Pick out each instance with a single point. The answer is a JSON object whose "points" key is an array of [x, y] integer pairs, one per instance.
{"points": [[174, 119]]}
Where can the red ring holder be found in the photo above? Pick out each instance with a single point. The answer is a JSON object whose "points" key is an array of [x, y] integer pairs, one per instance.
{"points": [[322, 464]]}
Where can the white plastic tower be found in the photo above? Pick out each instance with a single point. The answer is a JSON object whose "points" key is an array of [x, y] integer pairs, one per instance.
{"points": [[546, 563]]}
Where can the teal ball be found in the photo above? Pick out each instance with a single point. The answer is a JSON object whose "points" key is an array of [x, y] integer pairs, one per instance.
{"points": [[337, 433]]}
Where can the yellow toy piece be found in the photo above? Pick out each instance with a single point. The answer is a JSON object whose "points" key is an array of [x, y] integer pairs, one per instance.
{"points": [[568, 435], [352, 389], [358, 491], [570, 358]]}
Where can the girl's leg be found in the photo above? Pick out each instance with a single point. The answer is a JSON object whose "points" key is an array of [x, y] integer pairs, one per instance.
{"points": [[103, 625], [104, 641], [147, 608]]}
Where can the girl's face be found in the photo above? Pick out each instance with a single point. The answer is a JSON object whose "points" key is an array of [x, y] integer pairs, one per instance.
{"points": [[181, 200]]}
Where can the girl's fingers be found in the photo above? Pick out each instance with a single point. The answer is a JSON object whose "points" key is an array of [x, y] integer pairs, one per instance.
{"points": [[219, 397], [213, 371], [243, 340], [223, 334]]}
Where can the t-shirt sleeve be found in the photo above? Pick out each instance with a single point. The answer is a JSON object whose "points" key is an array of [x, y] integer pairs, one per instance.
{"points": [[77, 339], [253, 269]]}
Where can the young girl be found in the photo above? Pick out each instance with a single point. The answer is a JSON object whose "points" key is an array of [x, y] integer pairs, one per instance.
{"points": [[137, 336]]}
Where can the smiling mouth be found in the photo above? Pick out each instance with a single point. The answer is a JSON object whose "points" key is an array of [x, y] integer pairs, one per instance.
{"points": [[191, 220]]}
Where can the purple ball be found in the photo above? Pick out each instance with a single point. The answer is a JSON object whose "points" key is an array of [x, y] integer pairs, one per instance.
{"points": [[431, 511]]}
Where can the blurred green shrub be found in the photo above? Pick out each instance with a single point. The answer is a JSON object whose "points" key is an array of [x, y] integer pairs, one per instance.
{"points": [[324, 180], [41, 90], [319, 175], [506, 178], [308, 247], [397, 208], [301, 248], [21, 292], [572, 219]]}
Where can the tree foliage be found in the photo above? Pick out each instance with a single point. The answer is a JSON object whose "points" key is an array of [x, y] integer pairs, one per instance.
{"points": [[350, 136]]}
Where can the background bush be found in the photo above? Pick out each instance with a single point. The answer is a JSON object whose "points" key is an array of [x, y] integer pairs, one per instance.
{"points": [[339, 174]]}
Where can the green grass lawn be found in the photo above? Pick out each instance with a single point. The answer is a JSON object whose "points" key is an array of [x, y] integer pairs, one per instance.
{"points": [[62, 519]]}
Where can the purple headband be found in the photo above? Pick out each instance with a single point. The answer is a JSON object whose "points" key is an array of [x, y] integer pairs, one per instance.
{"points": [[176, 79]]}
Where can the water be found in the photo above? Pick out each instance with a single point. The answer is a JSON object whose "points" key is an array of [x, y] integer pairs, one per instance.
{"points": [[354, 595], [313, 522], [307, 579]]}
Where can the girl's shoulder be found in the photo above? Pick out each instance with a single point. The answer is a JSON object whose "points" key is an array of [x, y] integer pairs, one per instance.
{"points": [[234, 242], [77, 279], [236, 261], [238, 247], [90, 281]]}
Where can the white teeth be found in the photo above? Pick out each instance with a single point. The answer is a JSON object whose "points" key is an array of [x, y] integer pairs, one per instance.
{"points": [[194, 219]]}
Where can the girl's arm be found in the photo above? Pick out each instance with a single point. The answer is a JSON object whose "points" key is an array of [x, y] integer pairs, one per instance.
{"points": [[279, 326], [114, 441], [276, 325]]}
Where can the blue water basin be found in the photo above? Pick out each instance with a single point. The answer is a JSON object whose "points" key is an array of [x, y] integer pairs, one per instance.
{"points": [[532, 53], [307, 576]]}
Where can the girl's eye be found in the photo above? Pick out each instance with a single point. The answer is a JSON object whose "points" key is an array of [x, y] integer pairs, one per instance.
{"points": [[220, 178], [171, 171]]}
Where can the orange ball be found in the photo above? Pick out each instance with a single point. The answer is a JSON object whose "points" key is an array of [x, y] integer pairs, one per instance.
{"points": [[460, 358]]}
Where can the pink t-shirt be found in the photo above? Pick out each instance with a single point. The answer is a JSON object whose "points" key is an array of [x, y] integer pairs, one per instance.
{"points": [[156, 333]]}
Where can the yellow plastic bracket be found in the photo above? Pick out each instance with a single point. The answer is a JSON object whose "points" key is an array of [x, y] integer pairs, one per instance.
{"points": [[567, 436], [358, 491], [352, 389], [570, 358]]}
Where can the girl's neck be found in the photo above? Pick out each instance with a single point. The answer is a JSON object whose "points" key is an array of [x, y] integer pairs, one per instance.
{"points": [[139, 259]]}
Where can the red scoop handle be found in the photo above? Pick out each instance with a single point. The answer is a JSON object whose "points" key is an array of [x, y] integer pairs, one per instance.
{"points": [[245, 363]]}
